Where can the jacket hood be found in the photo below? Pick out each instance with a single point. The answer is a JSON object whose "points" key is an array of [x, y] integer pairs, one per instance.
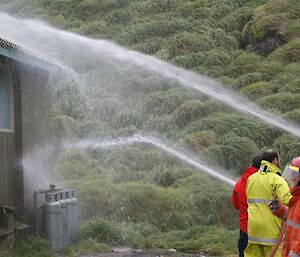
{"points": [[266, 167], [248, 172]]}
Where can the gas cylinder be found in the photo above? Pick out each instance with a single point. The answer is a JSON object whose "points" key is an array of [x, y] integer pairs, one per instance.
{"points": [[53, 221], [73, 207], [65, 225]]}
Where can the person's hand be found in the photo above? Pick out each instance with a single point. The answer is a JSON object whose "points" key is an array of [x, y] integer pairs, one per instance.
{"points": [[273, 205]]}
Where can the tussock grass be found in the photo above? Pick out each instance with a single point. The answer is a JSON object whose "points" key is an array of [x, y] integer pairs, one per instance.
{"points": [[257, 90], [282, 102], [243, 64], [247, 79], [233, 151], [32, 246], [288, 53]]}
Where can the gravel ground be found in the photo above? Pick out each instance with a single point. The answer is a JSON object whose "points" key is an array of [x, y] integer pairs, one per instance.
{"points": [[128, 252]]}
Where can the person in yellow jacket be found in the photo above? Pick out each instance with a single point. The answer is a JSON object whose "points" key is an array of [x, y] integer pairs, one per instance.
{"points": [[261, 188]]}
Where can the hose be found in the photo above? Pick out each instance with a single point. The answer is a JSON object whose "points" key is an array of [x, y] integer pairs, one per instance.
{"points": [[279, 240]]}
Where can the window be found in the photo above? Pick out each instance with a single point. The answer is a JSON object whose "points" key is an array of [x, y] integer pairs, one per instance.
{"points": [[6, 100]]}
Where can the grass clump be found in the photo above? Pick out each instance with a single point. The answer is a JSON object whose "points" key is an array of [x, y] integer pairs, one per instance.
{"points": [[194, 239], [32, 246], [290, 52], [257, 90], [85, 246], [281, 102], [233, 151], [249, 78], [243, 64]]}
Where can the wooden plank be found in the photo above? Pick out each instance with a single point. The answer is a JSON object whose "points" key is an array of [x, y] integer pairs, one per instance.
{"points": [[7, 165]]}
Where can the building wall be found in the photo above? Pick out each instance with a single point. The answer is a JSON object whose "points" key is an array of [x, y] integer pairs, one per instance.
{"points": [[35, 117], [8, 144], [35, 99], [7, 166], [31, 119]]}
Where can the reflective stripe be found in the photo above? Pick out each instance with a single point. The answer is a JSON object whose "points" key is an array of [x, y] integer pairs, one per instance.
{"points": [[265, 201], [293, 224], [292, 254], [262, 240]]}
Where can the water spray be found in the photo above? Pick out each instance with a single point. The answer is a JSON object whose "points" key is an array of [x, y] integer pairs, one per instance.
{"points": [[43, 38], [166, 147]]}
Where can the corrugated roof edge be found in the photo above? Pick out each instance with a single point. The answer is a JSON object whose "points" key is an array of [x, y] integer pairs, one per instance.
{"points": [[14, 51]]}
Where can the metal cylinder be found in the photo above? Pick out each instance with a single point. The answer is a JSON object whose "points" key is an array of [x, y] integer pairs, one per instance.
{"points": [[53, 221], [65, 214], [73, 215]]}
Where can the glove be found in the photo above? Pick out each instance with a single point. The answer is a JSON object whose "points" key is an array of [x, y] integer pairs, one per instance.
{"points": [[274, 205]]}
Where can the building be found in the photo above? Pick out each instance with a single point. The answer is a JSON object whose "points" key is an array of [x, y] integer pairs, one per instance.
{"points": [[24, 117]]}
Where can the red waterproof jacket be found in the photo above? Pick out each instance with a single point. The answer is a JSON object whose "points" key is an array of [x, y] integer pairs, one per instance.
{"points": [[239, 199], [292, 232]]}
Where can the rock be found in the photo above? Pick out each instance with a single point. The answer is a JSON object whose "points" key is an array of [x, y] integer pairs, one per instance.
{"points": [[122, 250]]}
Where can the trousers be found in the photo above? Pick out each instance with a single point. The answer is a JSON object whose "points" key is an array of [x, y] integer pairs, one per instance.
{"points": [[242, 243], [258, 250]]}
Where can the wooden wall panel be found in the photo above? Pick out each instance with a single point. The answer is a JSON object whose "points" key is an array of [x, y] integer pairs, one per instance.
{"points": [[7, 168]]}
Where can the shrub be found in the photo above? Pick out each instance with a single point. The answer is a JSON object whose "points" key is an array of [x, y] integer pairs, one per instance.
{"points": [[233, 153], [32, 246], [74, 164], [243, 64], [190, 60], [188, 111], [126, 118], [163, 102], [288, 146], [257, 90], [168, 177], [292, 86], [290, 73], [282, 102], [84, 247], [141, 202], [249, 78], [63, 126], [217, 57], [293, 116], [94, 28], [270, 69], [185, 43], [196, 9], [293, 29], [106, 108], [198, 141], [290, 52], [228, 82]]}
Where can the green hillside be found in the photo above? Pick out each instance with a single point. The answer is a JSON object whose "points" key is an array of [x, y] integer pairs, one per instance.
{"points": [[138, 195]]}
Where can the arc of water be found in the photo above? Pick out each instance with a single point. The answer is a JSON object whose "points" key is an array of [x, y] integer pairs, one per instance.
{"points": [[35, 34], [205, 85], [137, 139]]}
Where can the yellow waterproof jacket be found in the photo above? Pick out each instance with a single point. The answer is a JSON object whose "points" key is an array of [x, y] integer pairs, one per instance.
{"points": [[263, 186]]}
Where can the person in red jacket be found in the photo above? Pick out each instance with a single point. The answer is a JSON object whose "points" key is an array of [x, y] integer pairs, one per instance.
{"points": [[239, 201], [291, 213]]}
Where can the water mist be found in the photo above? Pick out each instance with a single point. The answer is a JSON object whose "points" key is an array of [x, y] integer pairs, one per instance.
{"points": [[71, 49], [179, 154]]}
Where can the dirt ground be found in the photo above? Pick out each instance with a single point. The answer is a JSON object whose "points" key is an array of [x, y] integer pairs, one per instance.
{"points": [[128, 252]]}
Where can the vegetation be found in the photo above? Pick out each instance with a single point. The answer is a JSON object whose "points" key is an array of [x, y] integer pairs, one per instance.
{"points": [[138, 195]]}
